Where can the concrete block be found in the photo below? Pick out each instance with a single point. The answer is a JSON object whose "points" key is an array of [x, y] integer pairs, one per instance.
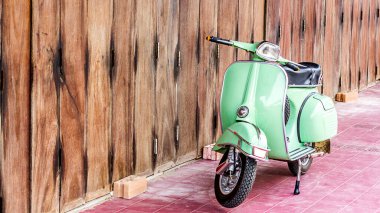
{"points": [[347, 96], [130, 187]]}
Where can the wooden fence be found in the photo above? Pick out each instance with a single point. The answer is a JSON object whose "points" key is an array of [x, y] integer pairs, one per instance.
{"points": [[93, 91]]}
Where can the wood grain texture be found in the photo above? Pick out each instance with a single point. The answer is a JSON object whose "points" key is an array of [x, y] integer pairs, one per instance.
{"points": [[363, 44], [331, 49], [187, 79], [309, 34], [227, 28], [98, 98], [371, 42], [15, 65], [123, 77], [208, 18], [285, 40], [259, 20], [345, 46], [165, 123], [45, 107], [245, 26], [319, 7], [297, 33], [272, 31], [355, 42], [1, 125], [144, 132], [72, 103]]}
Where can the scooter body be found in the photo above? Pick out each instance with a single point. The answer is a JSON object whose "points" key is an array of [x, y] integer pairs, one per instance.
{"points": [[262, 87], [264, 116]]}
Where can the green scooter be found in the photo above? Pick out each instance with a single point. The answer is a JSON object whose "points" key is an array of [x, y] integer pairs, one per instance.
{"points": [[270, 108]]}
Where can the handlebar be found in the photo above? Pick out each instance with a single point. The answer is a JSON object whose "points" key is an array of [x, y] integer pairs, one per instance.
{"points": [[219, 40]]}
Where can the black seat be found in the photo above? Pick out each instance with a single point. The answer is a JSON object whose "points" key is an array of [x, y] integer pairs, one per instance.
{"points": [[304, 76]]}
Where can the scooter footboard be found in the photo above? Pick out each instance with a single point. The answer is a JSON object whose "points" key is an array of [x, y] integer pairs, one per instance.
{"points": [[247, 138]]}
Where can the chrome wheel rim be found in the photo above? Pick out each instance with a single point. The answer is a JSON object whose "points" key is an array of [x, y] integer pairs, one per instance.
{"points": [[305, 161], [228, 180]]}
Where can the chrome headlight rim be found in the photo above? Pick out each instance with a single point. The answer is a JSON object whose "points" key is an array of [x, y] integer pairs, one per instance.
{"points": [[261, 54], [244, 114]]}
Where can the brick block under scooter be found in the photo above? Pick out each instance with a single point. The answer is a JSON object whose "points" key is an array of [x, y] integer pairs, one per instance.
{"points": [[346, 96]]}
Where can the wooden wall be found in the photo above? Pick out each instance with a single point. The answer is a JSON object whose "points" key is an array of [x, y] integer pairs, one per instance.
{"points": [[93, 91]]}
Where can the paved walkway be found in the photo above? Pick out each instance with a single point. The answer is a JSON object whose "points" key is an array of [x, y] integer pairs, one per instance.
{"points": [[348, 180]]}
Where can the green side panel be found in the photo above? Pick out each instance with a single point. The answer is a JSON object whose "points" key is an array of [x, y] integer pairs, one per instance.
{"points": [[261, 87], [296, 97], [318, 120]]}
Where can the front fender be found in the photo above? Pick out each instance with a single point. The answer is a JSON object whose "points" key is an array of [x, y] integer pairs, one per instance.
{"points": [[246, 137]]}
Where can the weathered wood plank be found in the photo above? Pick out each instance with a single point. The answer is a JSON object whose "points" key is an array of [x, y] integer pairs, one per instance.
{"points": [[165, 123], [144, 132], [363, 55], [297, 34], [98, 134], [319, 7], [45, 94], [15, 65], [187, 79], [227, 28], [331, 48], [355, 36], [272, 32], [245, 26], [345, 46], [72, 103], [259, 20], [122, 89], [372, 42], [285, 41], [207, 116], [309, 31], [1, 125]]}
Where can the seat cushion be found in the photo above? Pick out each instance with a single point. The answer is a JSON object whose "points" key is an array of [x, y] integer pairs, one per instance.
{"points": [[308, 75]]}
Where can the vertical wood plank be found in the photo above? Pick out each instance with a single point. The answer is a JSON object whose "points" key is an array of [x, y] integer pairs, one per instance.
{"points": [[245, 26], [372, 42], [363, 55], [309, 17], [345, 46], [144, 132], [15, 64], [297, 33], [187, 85], [272, 32], [207, 99], [227, 28], [122, 89], [167, 33], [1, 125], [45, 94], [355, 42], [319, 7], [331, 49], [98, 98], [72, 103], [286, 28], [259, 20]]}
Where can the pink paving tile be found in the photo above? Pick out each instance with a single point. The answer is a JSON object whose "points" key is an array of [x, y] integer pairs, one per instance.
{"points": [[345, 180]]}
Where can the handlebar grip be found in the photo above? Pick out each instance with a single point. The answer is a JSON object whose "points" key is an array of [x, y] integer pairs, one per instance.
{"points": [[219, 40]]}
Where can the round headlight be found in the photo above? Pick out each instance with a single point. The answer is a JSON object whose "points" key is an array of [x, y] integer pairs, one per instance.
{"points": [[268, 51], [242, 112]]}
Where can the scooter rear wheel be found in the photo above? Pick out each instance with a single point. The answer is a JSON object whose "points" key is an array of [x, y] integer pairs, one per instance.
{"points": [[232, 192], [305, 165]]}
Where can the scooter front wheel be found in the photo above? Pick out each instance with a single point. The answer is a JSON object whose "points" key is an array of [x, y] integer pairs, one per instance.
{"points": [[234, 185]]}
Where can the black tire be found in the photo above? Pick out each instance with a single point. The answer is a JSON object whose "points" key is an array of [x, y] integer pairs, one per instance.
{"points": [[244, 184], [293, 166], [287, 110]]}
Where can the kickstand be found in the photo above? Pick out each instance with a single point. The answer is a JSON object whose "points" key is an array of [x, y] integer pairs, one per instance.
{"points": [[297, 187]]}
